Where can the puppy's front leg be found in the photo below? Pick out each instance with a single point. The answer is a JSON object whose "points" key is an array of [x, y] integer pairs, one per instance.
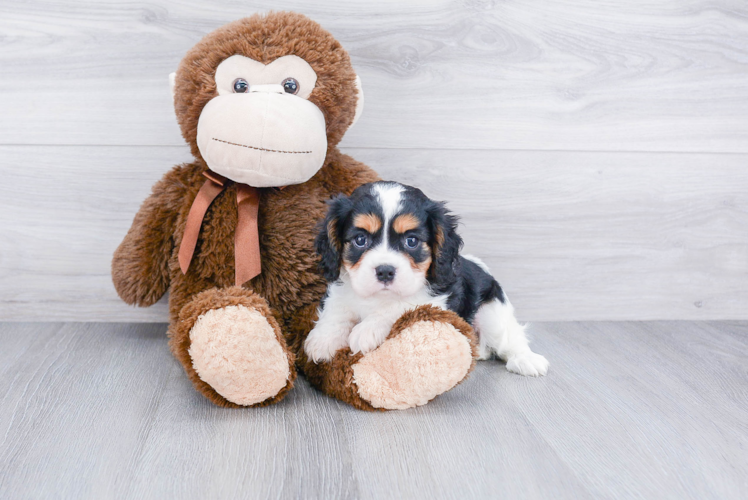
{"points": [[370, 333], [373, 330], [330, 334]]}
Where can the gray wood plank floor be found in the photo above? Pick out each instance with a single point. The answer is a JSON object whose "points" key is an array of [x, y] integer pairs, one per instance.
{"points": [[628, 410]]}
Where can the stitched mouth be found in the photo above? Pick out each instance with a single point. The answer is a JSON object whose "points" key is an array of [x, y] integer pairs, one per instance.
{"points": [[262, 149]]}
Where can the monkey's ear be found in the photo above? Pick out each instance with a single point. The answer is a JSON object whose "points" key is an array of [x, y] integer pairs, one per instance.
{"points": [[172, 82], [359, 102], [329, 240]]}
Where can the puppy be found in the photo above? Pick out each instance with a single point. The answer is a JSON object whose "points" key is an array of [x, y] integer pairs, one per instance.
{"points": [[387, 249]]}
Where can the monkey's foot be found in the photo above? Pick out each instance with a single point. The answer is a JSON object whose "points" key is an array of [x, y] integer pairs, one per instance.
{"points": [[236, 353], [428, 352]]}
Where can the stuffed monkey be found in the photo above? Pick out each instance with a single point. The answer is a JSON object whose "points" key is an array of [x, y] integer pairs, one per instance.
{"points": [[263, 103]]}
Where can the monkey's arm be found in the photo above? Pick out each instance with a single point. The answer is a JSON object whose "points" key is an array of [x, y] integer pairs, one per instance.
{"points": [[140, 267]]}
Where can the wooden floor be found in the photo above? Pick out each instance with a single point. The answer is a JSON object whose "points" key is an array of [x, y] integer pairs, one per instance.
{"points": [[628, 410]]}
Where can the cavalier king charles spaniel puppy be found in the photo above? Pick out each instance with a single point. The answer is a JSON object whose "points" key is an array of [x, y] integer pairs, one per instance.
{"points": [[388, 248]]}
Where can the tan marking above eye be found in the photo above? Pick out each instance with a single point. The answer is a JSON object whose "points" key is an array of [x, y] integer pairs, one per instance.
{"points": [[368, 222], [405, 222]]}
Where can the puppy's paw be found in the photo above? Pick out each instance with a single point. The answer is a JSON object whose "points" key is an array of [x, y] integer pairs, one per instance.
{"points": [[528, 364], [367, 336], [322, 344]]}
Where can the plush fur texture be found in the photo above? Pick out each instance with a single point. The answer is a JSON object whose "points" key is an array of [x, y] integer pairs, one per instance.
{"points": [[238, 353], [212, 300], [289, 289], [265, 39], [420, 361]]}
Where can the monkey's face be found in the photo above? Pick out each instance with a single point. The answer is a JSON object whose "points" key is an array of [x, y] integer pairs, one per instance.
{"points": [[260, 129], [262, 100]]}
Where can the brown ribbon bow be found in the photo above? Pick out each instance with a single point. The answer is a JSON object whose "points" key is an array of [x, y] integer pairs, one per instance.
{"points": [[246, 237]]}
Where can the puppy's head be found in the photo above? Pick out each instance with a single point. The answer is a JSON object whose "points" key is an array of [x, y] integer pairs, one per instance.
{"points": [[390, 239]]}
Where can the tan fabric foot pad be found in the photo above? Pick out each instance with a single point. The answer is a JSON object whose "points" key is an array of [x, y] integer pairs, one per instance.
{"points": [[235, 350], [424, 360]]}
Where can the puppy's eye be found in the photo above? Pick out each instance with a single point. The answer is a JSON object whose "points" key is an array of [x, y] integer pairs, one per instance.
{"points": [[241, 86], [290, 85], [411, 242], [360, 240]]}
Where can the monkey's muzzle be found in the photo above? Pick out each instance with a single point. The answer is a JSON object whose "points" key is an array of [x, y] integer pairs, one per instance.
{"points": [[264, 138]]}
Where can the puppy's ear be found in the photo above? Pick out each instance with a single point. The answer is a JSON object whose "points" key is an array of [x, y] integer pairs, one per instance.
{"points": [[329, 240], [445, 246]]}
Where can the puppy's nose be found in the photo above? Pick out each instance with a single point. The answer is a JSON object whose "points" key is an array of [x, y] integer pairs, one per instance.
{"points": [[385, 274]]}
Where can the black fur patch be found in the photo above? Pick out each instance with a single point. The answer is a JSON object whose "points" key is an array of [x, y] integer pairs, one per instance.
{"points": [[329, 241], [473, 288]]}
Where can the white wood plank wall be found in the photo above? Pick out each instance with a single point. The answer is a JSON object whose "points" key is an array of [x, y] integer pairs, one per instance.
{"points": [[597, 151]]}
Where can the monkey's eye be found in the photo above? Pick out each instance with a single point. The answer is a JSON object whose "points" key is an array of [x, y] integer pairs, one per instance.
{"points": [[411, 242], [360, 240], [290, 85], [241, 86]]}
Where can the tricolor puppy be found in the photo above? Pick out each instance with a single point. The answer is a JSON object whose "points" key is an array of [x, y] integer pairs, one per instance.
{"points": [[387, 249]]}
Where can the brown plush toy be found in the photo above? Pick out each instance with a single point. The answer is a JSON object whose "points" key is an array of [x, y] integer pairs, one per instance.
{"points": [[263, 103]]}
